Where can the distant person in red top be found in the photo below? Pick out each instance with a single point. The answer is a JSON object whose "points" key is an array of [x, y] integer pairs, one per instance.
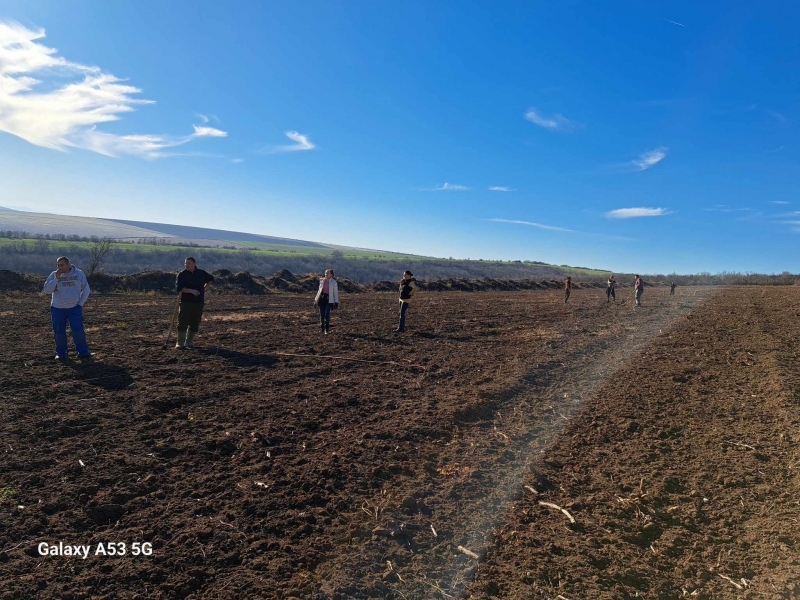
{"points": [[638, 288], [567, 289]]}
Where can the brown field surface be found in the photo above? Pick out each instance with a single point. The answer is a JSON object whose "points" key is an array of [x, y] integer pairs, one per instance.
{"points": [[274, 462]]}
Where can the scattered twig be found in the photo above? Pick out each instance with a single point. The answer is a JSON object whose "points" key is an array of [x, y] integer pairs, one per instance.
{"points": [[434, 532], [738, 444], [18, 545], [531, 490], [391, 568], [726, 578], [557, 507], [468, 552]]}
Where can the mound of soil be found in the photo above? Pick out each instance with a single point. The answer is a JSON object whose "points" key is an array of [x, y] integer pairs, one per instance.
{"points": [[18, 282]]}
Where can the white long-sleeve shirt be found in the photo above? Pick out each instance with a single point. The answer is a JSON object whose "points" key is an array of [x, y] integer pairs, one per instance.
{"points": [[72, 289]]}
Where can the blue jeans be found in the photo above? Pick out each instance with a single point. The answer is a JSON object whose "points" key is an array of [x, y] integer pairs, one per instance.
{"points": [[325, 315], [74, 316], [403, 309]]}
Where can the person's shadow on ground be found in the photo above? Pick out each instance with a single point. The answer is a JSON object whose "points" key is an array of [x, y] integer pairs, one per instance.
{"points": [[105, 376], [240, 359]]}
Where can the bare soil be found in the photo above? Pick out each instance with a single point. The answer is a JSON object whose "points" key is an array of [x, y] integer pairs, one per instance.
{"points": [[275, 462]]}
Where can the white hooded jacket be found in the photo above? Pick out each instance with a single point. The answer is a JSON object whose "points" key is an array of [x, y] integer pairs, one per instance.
{"points": [[72, 289], [333, 291]]}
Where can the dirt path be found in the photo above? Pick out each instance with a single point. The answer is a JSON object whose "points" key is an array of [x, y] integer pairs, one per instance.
{"points": [[257, 473]]}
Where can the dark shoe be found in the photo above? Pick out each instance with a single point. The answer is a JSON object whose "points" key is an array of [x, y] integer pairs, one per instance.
{"points": [[88, 356], [398, 330], [62, 358], [189, 344]]}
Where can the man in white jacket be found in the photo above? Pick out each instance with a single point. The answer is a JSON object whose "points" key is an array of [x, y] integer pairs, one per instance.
{"points": [[70, 290]]}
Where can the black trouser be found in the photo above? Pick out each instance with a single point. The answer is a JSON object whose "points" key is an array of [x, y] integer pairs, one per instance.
{"points": [[190, 315], [566, 295], [671, 291], [610, 293], [324, 313]]}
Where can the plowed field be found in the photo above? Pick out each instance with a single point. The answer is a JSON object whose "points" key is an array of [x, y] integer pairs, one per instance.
{"points": [[275, 462]]}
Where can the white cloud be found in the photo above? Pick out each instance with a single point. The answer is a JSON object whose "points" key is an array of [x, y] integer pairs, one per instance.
{"points": [[675, 22], [54, 103], [502, 188], [553, 122], [778, 202], [208, 132], [447, 187], [650, 158], [632, 213], [237, 160], [301, 142], [532, 224]]}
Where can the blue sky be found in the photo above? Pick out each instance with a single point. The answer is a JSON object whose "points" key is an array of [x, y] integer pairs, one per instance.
{"points": [[653, 137]]}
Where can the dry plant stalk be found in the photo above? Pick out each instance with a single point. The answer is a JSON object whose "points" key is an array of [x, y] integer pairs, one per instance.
{"points": [[557, 507], [468, 552]]}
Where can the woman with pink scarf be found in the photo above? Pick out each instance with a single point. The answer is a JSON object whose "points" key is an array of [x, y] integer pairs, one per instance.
{"points": [[327, 298]]}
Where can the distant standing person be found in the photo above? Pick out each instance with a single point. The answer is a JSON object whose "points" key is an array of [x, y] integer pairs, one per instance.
{"points": [[70, 290], [407, 287], [672, 287], [567, 288], [610, 289], [327, 298], [192, 284], [638, 288]]}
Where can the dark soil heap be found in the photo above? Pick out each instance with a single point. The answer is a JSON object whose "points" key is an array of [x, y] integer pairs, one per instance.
{"points": [[226, 282]]}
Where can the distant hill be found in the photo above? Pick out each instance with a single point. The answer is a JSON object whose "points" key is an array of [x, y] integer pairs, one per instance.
{"points": [[185, 232], [120, 229]]}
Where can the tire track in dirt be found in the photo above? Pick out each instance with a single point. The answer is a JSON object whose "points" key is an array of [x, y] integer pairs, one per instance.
{"points": [[479, 469], [681, 471]]}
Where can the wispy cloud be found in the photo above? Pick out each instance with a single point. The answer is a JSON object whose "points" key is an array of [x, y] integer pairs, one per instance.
{"points": [[502, 188], [532, 224], [633, 213], [777, 116], [725, 208], [206, 118], [675, 23], [554, 122], [778, 202], [447, 187], [561, 229], [650, 158], [301, 142], [237, 160], [51, 102]]}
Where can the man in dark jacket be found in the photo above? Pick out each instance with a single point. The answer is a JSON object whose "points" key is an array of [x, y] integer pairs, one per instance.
{"points": [[192, 284], [407, 286]]}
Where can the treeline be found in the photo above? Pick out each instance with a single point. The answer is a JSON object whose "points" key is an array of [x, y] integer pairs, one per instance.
{"points": [[28, 240], [38, 257]]}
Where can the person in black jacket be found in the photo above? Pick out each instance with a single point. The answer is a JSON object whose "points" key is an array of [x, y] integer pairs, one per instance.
{"points": [[192, 284], [407, 286]]}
